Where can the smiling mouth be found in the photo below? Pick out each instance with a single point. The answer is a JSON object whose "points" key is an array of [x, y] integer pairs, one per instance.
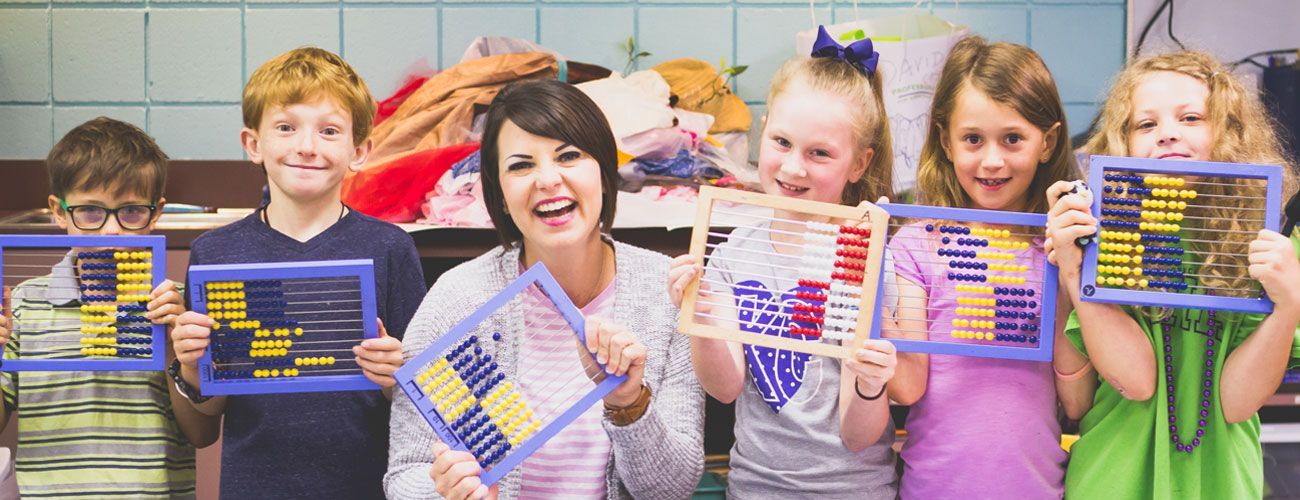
{"points": [[790, 187], [555, 208], [305, 167], [993, 182], [1174, 155]]}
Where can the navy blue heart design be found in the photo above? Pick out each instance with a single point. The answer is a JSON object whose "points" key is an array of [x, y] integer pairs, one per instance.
{"points": [[778, 373]]}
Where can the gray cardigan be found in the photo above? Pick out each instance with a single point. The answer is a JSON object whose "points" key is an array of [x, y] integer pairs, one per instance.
{"points": [[659, 456]]}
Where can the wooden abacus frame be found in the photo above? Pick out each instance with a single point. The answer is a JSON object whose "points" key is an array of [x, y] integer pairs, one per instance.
{"points": [[867, 326], [157, 246], [362, 269], [1099, 165], [539, 275], [1046, 317]]}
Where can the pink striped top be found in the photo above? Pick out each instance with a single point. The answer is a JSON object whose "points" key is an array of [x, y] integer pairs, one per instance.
{"points": [[572, 464]]}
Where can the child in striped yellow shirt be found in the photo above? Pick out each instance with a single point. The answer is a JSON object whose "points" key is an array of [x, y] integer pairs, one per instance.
{"points": [[97, 434]]}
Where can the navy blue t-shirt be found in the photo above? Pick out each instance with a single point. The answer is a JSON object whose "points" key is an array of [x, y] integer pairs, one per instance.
{"points": [[315, 445]]}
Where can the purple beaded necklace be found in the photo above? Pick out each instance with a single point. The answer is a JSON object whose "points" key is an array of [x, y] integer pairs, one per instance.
{"points": [[1181, 445]]}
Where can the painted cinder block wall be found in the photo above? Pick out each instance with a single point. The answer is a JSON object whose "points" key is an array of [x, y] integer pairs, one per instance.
{"points": [[176, 68]]}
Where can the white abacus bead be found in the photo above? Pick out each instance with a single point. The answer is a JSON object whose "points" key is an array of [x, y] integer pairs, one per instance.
{"points": [[823, 227], [819, 239]]}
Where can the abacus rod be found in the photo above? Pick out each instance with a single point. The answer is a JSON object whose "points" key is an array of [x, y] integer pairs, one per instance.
{"points": [[777, 219], [1189, 205], [1032, 245], [772, 254], [313, 292], [760, 240], [935, 233], [824, 334], [827, 293], [792, 233], [780, 313], [1187, 181], [1140, 219]]}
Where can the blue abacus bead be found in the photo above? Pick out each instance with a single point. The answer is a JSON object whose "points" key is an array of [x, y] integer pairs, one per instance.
{"points": [[929, 228], [965, 230], [1024, 327], [997, 337], [1033, 339], [1033, 327], [946, 240]]}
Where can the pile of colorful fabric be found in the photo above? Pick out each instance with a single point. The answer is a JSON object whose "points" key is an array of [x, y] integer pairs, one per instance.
{"points": [[676, 124]]}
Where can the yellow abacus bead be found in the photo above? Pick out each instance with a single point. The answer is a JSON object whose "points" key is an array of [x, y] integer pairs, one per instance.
{"points": [[329, 360], [297, 331]]}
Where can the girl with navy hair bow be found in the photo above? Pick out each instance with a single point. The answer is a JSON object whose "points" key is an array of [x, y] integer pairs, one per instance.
{"points": [[805, 425]]}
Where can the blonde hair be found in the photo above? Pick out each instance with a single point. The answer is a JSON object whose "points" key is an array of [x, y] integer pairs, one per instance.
{"points": [[1243, 132], [866, 104], [306, 74], [1009, 74]]}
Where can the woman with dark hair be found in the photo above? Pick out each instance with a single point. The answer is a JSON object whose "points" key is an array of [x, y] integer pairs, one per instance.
{"points": [[549, 174]]}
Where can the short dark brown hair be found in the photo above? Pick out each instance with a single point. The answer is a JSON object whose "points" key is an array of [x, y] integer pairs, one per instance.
{"points": [[557, 110], [110, 154]]}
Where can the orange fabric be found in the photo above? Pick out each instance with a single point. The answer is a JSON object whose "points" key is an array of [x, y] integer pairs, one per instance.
{"points": [[441, 112], [393, 191]]}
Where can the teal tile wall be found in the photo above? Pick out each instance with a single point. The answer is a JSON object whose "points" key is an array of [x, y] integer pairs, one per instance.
{"points": [[176, 67]]}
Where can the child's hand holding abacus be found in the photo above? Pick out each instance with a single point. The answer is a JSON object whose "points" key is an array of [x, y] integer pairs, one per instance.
{"points": [[379, 358], [190, 337], [1274, 264], [5, 311], [1068, 219], [165, 304]]}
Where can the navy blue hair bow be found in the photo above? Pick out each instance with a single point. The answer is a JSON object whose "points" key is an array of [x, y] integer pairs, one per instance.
{"points": [[860, 54]]}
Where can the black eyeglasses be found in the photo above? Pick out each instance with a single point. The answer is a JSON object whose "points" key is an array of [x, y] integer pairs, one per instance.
{"points": [[93, 217]]}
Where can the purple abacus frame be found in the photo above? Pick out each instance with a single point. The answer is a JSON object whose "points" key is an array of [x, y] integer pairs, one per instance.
{"points": [[537, 274], [362, 269], [157, 245], [1046, 317], [1100, 165]]}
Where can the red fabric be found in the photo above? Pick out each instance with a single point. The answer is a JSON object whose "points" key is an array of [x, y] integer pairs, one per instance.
{"points": [[393, 191], [389, 106]]}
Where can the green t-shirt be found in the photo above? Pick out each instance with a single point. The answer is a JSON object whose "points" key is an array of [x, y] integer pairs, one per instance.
{"points": [[87, 434], [1125, 449]]}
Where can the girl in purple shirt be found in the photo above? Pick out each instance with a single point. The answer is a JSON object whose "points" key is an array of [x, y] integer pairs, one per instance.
{"points": [[980, 427]]}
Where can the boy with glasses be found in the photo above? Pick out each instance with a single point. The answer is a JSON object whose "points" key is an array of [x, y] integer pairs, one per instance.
{"points": [[99, 434]]}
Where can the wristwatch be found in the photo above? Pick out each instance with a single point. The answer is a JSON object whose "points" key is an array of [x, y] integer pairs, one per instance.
{"points": [[190, 393], [623, 416]]}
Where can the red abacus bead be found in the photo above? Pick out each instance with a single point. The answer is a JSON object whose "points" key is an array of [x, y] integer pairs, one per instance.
{"points": [[856, 278], [806, 318], [801, 307], [799, 330], [853, 242], [815, 297], [850, 265], [852, 254], [861, 231], [814, 284]]}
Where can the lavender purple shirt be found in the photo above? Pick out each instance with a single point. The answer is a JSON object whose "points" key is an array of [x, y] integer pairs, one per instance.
{"points": [[985, 428]]}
